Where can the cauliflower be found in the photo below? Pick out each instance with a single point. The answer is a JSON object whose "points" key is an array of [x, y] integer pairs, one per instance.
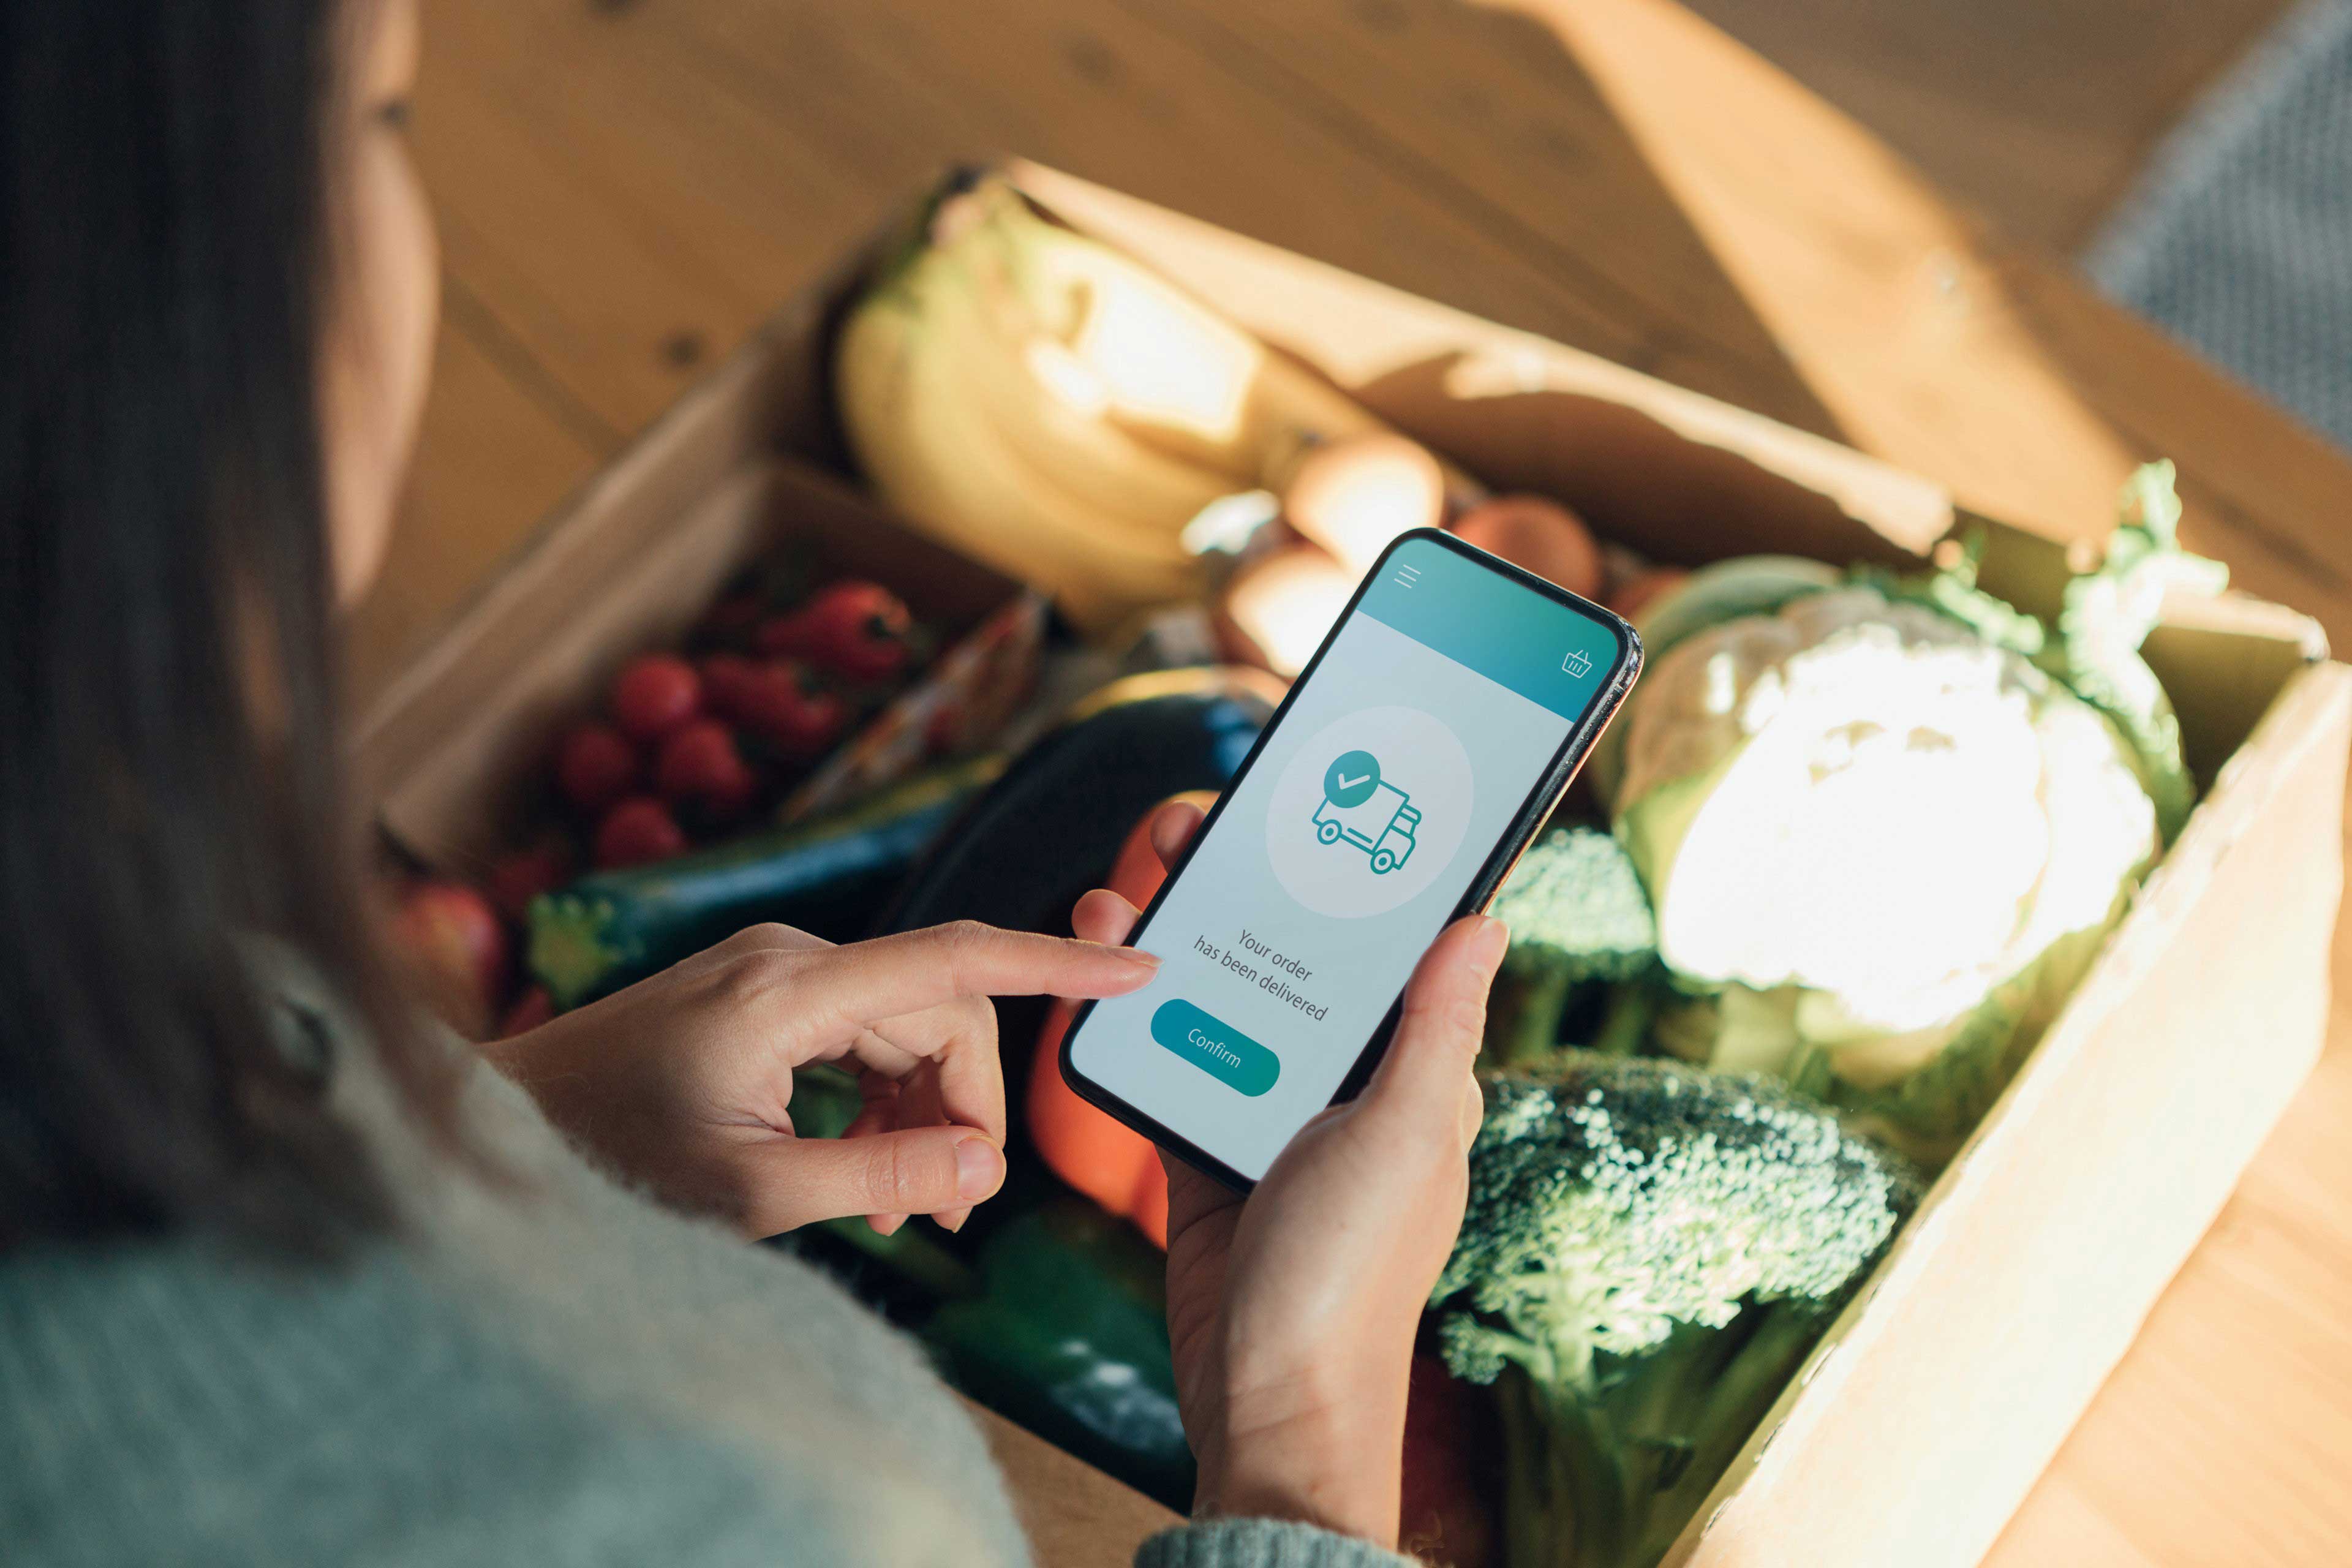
{"points": [[1881, 850]]}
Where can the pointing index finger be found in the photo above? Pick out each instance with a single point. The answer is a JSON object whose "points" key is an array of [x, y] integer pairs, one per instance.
{"points": [[891, 975]]}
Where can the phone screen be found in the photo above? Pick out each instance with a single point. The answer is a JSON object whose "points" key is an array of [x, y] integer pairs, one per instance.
{"points": [[1412, 760]]}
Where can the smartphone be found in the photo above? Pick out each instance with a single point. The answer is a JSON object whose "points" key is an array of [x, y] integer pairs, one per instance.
{"points": [[1392, 793]]}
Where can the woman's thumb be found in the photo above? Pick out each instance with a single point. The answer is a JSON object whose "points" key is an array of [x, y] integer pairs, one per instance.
{"points": [[925, 1170], [1442, 1021]]}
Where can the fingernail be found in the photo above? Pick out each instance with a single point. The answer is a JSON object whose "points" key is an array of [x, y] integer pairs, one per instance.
{"points": [[886, 1225], [1487, 947], [951, 1220], [1136, 956], [980, 1168]]}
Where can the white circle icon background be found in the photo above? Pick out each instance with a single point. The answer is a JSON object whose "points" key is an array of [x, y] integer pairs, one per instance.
{"points": [[1417, 754]]}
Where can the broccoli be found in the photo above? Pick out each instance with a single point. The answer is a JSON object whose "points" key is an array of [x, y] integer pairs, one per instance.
{"points": [[1577, 915], [1649, 1253]]}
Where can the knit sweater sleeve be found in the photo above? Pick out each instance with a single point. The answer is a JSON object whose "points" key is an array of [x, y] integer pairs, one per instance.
{"points": [[1260, 1543]]}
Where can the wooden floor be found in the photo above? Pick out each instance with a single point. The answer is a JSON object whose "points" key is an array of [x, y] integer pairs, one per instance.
{"points": [[2038, 112], [803, 123], [626, 186]]}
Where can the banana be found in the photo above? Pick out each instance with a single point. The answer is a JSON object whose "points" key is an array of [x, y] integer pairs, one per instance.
{"points": [[922, 436], [1037, 400], [1049, 406], [1179, 374]]}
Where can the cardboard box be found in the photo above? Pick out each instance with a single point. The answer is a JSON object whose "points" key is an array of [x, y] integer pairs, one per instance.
{"points": [[1937, 1397]]}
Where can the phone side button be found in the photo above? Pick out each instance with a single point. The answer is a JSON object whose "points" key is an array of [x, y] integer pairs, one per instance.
{"points": [[1217, 1048]]}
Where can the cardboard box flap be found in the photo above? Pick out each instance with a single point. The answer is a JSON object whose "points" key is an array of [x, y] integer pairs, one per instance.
{"points": [[1523, 413]]}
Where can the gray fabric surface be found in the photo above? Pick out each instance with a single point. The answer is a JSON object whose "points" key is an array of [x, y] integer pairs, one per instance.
{"points": [[1260, 1544], [2239, 237], [544, 1368]]}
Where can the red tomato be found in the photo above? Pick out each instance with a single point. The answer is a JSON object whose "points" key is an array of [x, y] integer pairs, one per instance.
{"points": [[519, 876], [594, 766], [635, 832], [789, 636], [532, 1009], [654, 694], [856, 630], [700, 762], [459, 946], [784, 708], [726, 680]]}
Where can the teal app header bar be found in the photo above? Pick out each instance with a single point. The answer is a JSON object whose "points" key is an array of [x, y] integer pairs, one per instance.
{"points": [[1553, 655]]}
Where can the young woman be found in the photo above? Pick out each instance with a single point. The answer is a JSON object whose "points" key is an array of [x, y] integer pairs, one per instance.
{"points": [[287, 1278]]}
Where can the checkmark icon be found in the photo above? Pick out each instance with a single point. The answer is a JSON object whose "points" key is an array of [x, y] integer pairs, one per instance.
{"points": [[1351, 778]]}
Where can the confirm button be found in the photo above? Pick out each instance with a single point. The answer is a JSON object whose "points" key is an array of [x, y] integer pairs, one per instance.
{"points": [[1223, 1052]]}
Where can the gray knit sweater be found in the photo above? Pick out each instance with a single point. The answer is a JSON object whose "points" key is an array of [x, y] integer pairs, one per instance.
{"points": [[545, 1368]]}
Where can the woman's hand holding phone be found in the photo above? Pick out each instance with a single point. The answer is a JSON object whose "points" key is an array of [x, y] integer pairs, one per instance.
{"points": [[1293, 1314]]}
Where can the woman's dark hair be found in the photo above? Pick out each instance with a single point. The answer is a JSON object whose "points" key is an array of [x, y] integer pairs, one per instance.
{"points": [[170, 770]]}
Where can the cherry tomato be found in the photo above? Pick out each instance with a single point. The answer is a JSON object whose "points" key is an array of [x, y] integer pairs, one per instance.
{"points": [[654, 694], [855, 630], [519, 876], [700, 762], [786, 709], [727, 679], [637, 832], [594, 766]]}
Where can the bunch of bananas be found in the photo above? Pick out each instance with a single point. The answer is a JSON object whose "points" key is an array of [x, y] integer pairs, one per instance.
{"points": [[1040, 402]]}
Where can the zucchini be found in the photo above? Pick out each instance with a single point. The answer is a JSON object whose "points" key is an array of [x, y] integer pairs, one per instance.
{"points": [[829, 875]]}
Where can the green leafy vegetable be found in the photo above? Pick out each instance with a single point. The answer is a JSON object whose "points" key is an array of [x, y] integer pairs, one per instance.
{"points": [[2107, 615], [1952, 590]]}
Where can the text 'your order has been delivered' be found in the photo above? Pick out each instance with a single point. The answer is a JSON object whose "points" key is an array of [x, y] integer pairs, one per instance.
{"points": [[1273, 979]]}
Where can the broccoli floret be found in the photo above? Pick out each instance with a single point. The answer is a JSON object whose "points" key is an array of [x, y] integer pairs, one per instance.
{"points": [[1578, 916], [1650, 1251]]}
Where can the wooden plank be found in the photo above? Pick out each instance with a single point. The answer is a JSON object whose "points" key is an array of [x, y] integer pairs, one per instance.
{"points": [[618, 308], [588, 268], [491, 459], [1076, 1517], [1548, 171]]}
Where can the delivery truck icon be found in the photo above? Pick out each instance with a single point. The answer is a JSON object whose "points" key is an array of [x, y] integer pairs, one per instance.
{"points": [[1366, 811]]}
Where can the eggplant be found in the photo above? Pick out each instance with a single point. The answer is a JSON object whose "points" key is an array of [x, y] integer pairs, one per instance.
{"points": [[1050, 827]]}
